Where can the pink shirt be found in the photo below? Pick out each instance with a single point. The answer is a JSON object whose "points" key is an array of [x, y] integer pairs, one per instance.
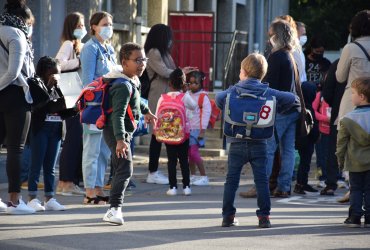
{"points": [[322, 113]]}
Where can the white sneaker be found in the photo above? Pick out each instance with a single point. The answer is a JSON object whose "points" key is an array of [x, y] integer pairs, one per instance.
{"points": [[321, 184], [3, 206], [53, 205], [201, 181], [114, 215], [187, 191], [74, 191], [36, 204], [21, 208], [172, 191], [194, 178], [342, 184], [157, 178]]}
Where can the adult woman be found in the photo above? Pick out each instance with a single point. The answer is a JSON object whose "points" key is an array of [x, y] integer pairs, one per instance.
{"points": [[16, 66], [69, 57], [97, 59], [280, 76], [160, 65]]}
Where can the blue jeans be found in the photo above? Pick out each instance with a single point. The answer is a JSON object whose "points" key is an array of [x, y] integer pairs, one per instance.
{"points": [[26, 162], [239, 154], [285, 126], [45, 145], [95, 157], [360, 193]]}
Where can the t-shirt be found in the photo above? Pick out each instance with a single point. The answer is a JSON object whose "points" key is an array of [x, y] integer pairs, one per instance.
{"points": [[316, 69]]}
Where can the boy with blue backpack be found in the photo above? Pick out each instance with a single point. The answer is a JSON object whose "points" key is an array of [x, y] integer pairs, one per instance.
{"points": [[249, 111]]}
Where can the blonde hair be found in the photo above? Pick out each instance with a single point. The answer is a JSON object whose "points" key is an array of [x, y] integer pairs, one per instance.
{"points": [[284, 36], [255, 66], [362, 86]]}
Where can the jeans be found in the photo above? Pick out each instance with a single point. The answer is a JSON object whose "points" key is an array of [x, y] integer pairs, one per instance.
{"points": [[26, 162], [285, 126], [154, 153], [239, 154], [180, 152], [122, 170], [95, 157], [359, 193], [15, 121], [45, 145], [321, 149], [332, 169]]}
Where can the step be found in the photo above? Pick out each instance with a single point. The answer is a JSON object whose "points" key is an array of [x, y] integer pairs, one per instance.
{"points": [[211, 152], [215, 143]]}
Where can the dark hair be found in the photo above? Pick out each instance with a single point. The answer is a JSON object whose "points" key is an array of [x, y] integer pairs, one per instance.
{"points": [[177, 79], [126, 50], [360, 24], [159, 37], [96, 17], [362, 86], [70, 23], [198, 75], [19, 8], [45, 64], [315, 42]]}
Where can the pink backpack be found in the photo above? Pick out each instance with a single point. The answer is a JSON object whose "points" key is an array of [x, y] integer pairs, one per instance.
{"points": [[171, 126]]}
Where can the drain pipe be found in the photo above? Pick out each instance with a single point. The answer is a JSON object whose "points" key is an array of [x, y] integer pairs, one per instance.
{"points": [[138, 21]]}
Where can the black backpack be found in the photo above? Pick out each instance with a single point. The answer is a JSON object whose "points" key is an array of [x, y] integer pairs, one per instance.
{"points": [[145, 83]]}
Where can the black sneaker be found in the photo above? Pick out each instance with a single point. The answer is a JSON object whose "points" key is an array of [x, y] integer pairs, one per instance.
{"points": [[353, 221], [298, 189], [264, 222], [230, 221], [367, 221], [309, 188]]}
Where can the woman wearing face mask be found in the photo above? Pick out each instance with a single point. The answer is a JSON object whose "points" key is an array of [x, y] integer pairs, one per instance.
{"points": [[70, 164], [97, 59], [16, 66]]}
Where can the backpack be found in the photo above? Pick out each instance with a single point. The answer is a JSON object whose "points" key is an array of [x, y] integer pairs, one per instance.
{"points": [[215, 111], [171, 126], [142, 127], [248, 116], [145, 83], [93, 102]]}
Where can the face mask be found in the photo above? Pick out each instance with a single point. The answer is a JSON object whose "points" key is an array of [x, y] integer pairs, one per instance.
{"points": [[29, 31], [302, 40], [106, 32], [317, 57], [79, 33]]}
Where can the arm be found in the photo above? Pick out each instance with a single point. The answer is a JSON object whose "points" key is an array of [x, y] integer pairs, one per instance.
{"points": [[344, 65], [342, 142], [189, 102], [156, 63], [329, 86], [285, 100], [88, 63], [315, 107], [206, 114], [120, 96], [66, 57], [221, 98]]}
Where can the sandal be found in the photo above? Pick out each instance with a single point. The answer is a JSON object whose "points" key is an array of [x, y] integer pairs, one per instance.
{"points": [[327, 191], [103, 198], [93, 201]]}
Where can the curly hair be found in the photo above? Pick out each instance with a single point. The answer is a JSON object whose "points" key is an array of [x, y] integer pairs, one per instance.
{"points": [[283, 35], [177, 79]]}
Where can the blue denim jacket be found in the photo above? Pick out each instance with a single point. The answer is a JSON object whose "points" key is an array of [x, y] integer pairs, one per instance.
{"points": [[96, 60]]}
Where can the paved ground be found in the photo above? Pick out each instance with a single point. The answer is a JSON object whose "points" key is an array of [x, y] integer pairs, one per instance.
{"points": [[156, 221]]}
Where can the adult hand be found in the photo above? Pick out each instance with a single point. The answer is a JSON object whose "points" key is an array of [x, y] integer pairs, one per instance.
{"points": [[189, 69], [121, 149], [150, 118]]}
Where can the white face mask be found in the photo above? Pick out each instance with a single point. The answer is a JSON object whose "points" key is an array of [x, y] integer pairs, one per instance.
{"points": [[106, 32], [79, 33], [302, 40], [29, 31]]}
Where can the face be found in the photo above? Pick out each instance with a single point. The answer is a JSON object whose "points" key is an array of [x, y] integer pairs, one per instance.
{"points": [[301, 31], [357, 99], [135, 65], [242, 74], [81, 24], [104, 22], [194, 86], [52, 76]]}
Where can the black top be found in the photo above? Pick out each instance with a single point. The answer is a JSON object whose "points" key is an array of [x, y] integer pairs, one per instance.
{"points": [[316, 70]]}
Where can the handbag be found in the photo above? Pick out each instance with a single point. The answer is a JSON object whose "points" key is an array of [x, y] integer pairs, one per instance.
{"points": [[305, 121]]}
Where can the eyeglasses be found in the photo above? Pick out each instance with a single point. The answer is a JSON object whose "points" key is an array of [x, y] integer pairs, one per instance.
{"points": [[140, 60]]}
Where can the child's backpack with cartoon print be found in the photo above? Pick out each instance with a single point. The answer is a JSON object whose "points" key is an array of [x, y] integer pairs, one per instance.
{"points": [[171, 126], [248, 116]]}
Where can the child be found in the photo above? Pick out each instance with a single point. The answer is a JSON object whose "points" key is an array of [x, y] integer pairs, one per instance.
{"points": [[119, 129], [353, 150], [179, 151], [253, 69], [198, 125], [45, 137]]}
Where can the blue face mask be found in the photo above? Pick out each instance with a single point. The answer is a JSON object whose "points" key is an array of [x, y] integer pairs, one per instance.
{"points": [[79, 33], [106, 32]]}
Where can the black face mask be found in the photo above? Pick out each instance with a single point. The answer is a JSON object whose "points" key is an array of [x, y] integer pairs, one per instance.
{"points": [[317, 57]]}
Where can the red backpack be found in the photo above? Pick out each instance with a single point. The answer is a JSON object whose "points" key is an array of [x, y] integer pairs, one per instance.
{"points": [[171, 126], [215, 111]]}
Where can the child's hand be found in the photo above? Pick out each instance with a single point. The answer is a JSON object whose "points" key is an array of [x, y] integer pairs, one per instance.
{"points": [[53, 80], [150, 118], [121, 149]]}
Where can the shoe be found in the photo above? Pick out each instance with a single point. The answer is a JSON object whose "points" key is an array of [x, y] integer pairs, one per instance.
{"points": [[264, 222], [53, 205], [114, 215], [3, 206], [251, 193], [280, 194], [201, 181], [342, 184], [194, 178], [36, 204], [21, 208], [108, 186], [327, 191], [157, 178], [353, 221], [345, 198], [318, 173], [186, 191], [309, 188], [24, 185], [74, 191], [172, 191], [298, 189], [321, 184], [367, 221], [230, 221]]}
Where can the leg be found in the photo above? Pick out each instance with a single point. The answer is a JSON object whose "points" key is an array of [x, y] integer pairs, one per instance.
{"points": [[367, 194], [104, 158], [154, 153], [331, 162], [356, 193], [172, 162], [184, 164]]}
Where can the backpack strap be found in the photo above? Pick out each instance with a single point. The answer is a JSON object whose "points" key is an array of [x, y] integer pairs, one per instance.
{"points": [[363, 49], [200, 104]]}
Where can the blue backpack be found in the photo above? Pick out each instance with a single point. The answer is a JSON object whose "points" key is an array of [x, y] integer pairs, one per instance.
{"points": [[248, 116], [142, 127]]}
